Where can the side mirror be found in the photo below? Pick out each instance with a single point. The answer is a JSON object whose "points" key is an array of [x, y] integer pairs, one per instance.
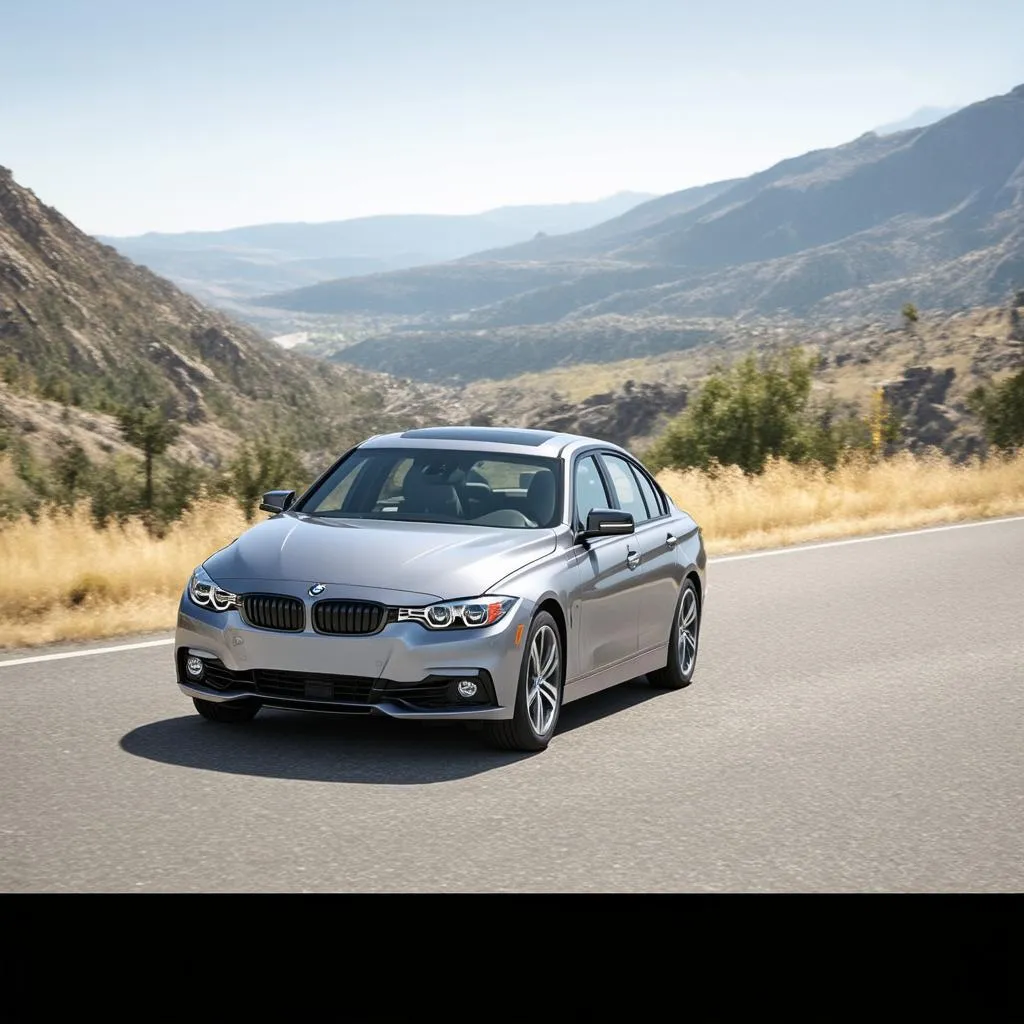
{"points": [[277, 501], [608, 522]]}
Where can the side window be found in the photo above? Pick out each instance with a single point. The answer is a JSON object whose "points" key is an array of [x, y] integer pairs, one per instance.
{"points": [[626, 489], [654, 506], [590, 492]]}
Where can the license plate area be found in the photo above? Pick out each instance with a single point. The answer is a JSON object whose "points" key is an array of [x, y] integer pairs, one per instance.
{"points": [[318, 690]]}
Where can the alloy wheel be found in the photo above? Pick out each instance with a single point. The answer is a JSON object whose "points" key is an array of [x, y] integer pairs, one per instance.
{"points": [[542, 680], [687, 637]]}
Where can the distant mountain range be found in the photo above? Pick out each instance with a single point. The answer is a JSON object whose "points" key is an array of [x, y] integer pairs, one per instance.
{"points": [[241, 262], [919, 119], [931, 215]]}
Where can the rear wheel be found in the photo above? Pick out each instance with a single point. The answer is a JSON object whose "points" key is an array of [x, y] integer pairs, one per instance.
{"points": [[682, 646], [235, 711], [539, 697]]}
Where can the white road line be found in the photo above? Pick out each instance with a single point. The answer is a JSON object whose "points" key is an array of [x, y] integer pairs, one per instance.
{"points": [[82, 654], [711, 561], [796, 550]]}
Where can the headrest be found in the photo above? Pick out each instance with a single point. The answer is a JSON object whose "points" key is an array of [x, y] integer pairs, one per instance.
{"points": [[540, 497]]}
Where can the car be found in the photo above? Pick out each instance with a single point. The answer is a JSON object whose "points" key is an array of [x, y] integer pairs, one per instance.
{"points": [[488, 575]]}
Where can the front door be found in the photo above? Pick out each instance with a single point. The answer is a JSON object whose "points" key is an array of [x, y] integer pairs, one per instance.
{"points": [[607, 601]]}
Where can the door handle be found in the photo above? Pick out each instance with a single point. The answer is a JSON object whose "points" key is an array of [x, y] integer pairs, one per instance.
{"points": [[632, 559], [671, 541]]}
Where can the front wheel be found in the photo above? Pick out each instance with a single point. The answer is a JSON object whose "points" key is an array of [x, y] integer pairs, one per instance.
{"points": [[226, 712], [539, 696], [682, 646]]}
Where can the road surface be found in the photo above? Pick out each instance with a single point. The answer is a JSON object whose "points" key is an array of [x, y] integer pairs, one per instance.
{"points": [[856, 724]]}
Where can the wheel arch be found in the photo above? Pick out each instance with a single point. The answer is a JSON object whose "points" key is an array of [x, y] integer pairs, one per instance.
{"points": [[694, 576]]}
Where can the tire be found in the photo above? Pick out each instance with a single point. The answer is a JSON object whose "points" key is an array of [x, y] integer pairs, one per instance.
{"points": [[683, 642], [521, 732], [233, 712]]}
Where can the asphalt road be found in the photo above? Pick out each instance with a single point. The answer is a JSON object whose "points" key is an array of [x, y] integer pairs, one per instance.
{"points": [[856, 724]]}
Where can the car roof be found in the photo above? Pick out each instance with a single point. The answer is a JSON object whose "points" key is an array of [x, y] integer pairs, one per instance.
{"points": [[499, 439]]}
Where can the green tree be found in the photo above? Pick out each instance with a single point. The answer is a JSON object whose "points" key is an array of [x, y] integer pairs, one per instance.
{"points": [[24, 481], [115, 490], [149, 428], [758, 409], [910, 315], [1001, 410], [261, 465], [71, 470], [177, 487], [30, 470]]}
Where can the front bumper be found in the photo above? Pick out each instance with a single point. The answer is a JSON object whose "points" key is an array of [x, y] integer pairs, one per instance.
{"points": [[403, 671]]}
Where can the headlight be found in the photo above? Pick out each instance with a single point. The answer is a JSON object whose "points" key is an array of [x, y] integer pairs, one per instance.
{"points": [[467, 613], [207, 594]]}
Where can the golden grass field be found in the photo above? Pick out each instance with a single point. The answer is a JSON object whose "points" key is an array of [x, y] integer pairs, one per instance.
{"points": [[63, 579]]}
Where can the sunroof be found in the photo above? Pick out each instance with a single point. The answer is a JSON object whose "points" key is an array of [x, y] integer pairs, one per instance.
{"points": [[495, 435]]}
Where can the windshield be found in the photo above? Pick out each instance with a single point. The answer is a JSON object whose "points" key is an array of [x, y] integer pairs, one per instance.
{"points": [[441, 486]]}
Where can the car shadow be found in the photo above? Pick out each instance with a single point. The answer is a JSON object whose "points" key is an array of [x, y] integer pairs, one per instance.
{"points": [[373, 750]]}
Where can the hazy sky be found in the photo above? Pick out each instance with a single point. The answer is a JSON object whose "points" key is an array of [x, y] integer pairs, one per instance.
{"points": [[172, 115]]}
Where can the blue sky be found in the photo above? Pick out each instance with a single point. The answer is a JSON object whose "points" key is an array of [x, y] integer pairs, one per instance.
{"points": [[138, 115]]}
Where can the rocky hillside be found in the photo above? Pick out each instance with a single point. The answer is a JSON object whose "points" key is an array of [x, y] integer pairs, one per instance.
{"points": [[630, 412], [933, 215], [83, 330], [926, 370]]}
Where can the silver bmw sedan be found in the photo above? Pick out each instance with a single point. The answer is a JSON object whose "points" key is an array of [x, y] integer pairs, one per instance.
{"points": [[482, 574]]}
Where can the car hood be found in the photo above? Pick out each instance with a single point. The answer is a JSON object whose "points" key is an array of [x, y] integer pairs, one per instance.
{"points": [[437, 560]]}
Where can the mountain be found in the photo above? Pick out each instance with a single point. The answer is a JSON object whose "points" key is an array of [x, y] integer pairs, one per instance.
{"points": [[919, 119], [539, 262], [247, 261], [933, 215], [83, 331], [582, 242]]}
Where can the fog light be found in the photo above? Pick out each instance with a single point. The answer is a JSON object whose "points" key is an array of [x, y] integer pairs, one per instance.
{"points": [[467, 688], [194, 667]]}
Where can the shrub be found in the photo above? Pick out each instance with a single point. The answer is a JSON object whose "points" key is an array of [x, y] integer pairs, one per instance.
{"points": [[759, 409], [1001, 410]]}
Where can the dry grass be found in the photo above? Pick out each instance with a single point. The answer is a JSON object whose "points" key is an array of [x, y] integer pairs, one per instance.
{"points": [[793, 504], [63, 579]]}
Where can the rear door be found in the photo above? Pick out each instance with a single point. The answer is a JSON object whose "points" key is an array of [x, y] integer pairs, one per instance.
{"points": [[657, 577]]}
